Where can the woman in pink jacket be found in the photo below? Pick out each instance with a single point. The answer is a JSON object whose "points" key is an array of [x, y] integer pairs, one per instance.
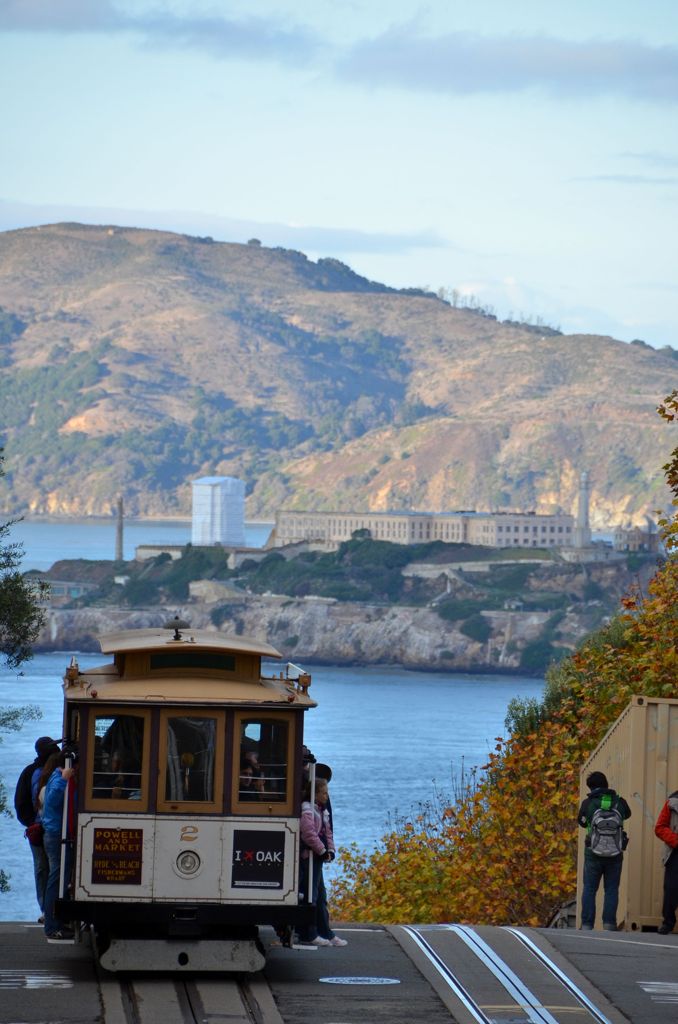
{"points": [[317, 846]]}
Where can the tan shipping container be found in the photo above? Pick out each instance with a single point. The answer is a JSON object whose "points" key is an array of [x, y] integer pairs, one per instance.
{"points": [[639, 756]]}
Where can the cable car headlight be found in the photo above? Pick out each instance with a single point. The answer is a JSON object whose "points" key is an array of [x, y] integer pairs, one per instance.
{"points": [[188, 862]]}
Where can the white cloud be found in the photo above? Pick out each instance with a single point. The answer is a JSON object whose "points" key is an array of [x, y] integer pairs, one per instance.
{"points": [[652, 157], [629, 179], [252, 38], [324, 240], [59, 15], [464, 63], [461, 63]]}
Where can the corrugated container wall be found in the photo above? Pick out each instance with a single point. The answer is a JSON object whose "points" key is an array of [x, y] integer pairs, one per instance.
{"points": [[639, 756]]}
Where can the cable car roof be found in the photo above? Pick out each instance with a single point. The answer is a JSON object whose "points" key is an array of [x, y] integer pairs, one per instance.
{"points": [[186, 666], [160, 638]]}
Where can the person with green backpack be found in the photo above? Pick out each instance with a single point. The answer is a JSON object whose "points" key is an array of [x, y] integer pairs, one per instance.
{"points": [[602, 814]]}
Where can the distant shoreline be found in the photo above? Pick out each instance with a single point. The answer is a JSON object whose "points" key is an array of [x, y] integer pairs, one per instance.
{"points": [[310, 665], [173, 520]]}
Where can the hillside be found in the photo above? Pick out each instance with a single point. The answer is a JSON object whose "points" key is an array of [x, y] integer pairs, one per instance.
{"points": [[132, 361]]}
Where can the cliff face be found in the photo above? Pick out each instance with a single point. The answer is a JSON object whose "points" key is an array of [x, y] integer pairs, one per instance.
{"points": [[315, 630]]}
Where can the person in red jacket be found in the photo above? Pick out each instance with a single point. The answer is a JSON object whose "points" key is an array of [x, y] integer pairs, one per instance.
{"points": [[667, 830]]}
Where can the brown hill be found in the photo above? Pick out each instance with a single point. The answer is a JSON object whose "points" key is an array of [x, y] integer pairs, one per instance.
{"points": [[133, 361]]}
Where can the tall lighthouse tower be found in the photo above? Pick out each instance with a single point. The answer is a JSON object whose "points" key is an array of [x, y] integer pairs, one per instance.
{"points": [[582, 531]]}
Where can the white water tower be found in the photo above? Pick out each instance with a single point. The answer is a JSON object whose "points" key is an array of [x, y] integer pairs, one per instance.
{"points": [[218, 511]]}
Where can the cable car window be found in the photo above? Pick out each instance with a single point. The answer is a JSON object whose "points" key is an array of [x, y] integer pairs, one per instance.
{"points": [[118, 757], [190, 759], [263, 760], [194, 660]]}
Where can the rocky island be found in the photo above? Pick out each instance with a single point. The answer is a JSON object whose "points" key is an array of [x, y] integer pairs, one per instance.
{"points": [[440, 607]]}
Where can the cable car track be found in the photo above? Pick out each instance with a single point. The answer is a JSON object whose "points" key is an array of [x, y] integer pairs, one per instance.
{"points": [[518, 984], [168, 1000]]}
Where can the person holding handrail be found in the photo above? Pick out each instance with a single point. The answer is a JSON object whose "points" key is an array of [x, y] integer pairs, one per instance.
{"points": [[317, 846], [53, 824]]}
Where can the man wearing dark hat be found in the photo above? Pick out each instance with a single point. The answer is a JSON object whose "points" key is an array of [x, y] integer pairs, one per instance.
{"points": [[603, 855], [25, 802]]}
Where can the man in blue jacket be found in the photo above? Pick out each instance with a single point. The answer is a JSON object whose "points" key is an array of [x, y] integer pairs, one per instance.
{"points": [[52, 820]]}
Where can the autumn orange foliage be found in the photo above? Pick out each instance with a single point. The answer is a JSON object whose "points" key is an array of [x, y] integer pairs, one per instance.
{"points": [[506, 852]]}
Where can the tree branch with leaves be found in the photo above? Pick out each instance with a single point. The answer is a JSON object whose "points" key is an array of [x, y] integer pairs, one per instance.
{"points": [[21, 618]]}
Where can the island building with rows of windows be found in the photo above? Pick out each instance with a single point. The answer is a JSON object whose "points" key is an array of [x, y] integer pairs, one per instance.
{"points": [[487, 529]]}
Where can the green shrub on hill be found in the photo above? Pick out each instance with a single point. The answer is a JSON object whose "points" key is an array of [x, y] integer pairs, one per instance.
{"points": [[455, 609], [477, 627], [361, 569]]}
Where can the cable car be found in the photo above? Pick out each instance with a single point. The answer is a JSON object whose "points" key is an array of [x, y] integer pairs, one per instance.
{"points": [[184, 825]]}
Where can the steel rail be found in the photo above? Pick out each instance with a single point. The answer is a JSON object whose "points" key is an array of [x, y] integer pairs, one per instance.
{"points": [[573, 989], [450, 978], [536, 1013], [534, 1010], [179, 1001]]}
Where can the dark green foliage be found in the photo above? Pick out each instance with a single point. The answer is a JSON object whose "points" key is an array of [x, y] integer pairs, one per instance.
{"points": [[412, 412], [219, 426], [153, 581], [139, 592], [248, 564], [593, 591], [365, 389], [510, 579], [453, 609], [298, 577], [225, 612], [11, 328], [542, 601], [12, 720], [635, 560], [21, 616], [523, 716], [195, 564], [538, 655], [40, 400], [361, 569], [333, 275], [478, 627]]}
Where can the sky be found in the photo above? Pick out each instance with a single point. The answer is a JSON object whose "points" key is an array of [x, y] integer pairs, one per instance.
{"points": [[523, 154]]}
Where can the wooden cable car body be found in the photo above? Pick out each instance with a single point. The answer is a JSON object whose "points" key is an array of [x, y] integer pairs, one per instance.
{"points": [[184, 826]]}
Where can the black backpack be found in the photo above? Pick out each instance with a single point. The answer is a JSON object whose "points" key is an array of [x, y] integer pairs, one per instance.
{"points": [[23, 797]]}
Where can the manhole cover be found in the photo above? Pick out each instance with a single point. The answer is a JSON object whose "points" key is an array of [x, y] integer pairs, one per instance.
{"points": [[360, 981]]}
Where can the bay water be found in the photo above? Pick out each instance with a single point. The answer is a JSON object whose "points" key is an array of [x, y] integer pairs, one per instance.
{"points": [[396, 740], [47, 540]]}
